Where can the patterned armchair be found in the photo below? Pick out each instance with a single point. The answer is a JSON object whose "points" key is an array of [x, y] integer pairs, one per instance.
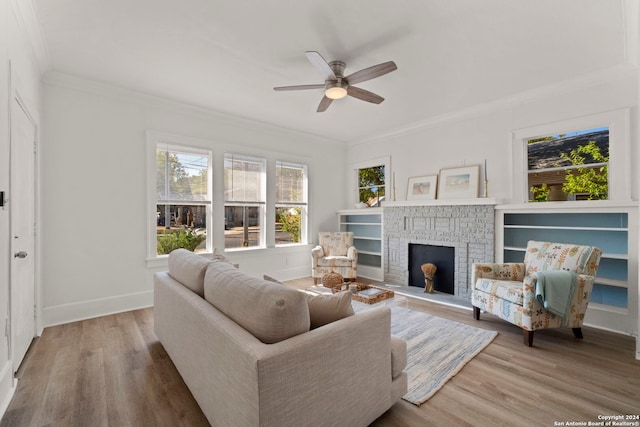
{"points": [[509, 290], [335, 253]]}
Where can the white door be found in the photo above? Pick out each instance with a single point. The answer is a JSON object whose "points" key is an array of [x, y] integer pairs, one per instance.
{"points": [[22, 211]]}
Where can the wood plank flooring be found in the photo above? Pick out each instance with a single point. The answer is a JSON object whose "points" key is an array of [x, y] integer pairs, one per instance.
{"points": [[112, 371]]}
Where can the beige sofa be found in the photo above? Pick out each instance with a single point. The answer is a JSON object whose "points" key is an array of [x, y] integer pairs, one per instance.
{"points": [[245, 349]]}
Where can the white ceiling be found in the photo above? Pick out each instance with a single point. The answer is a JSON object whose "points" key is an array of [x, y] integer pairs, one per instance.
{"points": [[227, 55]]}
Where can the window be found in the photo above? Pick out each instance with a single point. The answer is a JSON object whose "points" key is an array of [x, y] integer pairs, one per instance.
{"points": [[244, 194], [291, 203], [587, 158], [572, 166], [371, 185], [183, 198]]}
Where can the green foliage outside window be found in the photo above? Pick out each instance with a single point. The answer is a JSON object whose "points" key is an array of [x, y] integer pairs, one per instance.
{"points": [[291, 220], [189, 239], [593, 181], [540, 194], [371, 184]]}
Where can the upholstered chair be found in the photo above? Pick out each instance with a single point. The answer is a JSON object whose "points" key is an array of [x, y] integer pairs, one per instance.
{"points": [[510, 291], [334, 253]]}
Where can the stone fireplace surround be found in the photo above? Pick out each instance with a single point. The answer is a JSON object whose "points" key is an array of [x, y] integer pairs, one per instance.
{"points": [[467, 226]]}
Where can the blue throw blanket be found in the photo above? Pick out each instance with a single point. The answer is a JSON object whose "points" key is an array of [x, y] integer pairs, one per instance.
{"points": [[554, 291]]}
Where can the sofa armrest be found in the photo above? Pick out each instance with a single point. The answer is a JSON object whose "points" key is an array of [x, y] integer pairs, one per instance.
{"points": [[346, 363], [497, 271]]}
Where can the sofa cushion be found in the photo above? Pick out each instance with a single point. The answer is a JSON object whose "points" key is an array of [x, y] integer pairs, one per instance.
{"points": [[398, 356], [335, 261], [324, 309], [188, 269], [269, 311]]}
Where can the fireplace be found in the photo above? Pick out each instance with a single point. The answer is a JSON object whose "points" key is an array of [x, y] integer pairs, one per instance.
{"points": [[468, 229], [443, 257]]}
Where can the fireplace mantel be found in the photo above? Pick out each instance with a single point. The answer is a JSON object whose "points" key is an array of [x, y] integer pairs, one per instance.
{"points": [[442, 202]]}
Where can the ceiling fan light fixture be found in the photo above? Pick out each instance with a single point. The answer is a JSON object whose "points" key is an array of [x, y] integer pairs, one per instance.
{"points": [[335, 90]]}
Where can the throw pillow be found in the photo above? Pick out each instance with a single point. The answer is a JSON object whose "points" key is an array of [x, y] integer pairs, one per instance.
{"points": [[270, 312], [324, 309], [188, 269]]}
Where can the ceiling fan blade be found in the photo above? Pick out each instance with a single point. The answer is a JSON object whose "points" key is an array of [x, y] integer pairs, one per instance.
{"points": [[318, 61], [364, 95], [324, 104], [300, 87], [371, 72]]}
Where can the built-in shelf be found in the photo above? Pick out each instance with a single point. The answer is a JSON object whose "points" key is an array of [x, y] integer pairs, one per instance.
{"points": [[607, 225], [366, 225]]}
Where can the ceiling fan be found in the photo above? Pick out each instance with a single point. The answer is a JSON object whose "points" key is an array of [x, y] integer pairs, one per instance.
{"points": [[336, 86]]}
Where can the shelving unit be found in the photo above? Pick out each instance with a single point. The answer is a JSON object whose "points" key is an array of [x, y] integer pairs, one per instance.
{"points": [[366, 225], [614, 300]]}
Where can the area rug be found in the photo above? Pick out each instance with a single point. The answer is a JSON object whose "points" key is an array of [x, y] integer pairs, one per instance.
{"points": [[437, 349]]}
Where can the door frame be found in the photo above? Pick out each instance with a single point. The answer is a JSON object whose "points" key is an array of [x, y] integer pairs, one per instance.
{"points": [[15, 96]]}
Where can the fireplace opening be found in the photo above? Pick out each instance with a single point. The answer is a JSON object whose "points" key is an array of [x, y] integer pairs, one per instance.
{"points": [[443, 257]]}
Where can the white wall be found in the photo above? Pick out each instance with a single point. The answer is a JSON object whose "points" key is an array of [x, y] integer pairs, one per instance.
{"points": [[94, 188], [485, 133], [470, 137], [15, 49]]}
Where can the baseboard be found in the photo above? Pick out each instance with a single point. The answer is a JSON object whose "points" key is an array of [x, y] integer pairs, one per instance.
{"points": [[66, 313], [7, 386]]}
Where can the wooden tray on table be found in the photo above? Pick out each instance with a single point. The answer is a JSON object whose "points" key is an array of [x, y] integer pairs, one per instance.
{"points": [[367, 294]]}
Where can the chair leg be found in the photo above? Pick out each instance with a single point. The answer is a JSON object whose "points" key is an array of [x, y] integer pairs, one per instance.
{"points": [[476, 313], [528, 338], [315, 281], [577, 332]]}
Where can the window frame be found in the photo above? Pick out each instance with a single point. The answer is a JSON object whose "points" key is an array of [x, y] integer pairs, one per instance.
{"points": [[617, 121], [261, 204], [389, 186], [304, 204], [185, 145]]}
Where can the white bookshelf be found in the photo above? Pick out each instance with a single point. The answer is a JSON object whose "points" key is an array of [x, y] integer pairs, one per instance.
{"points": [[614, 300], [366, 225]]}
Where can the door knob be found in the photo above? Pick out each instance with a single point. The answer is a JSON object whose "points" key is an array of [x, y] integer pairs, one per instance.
{"points": [[21, 254]]}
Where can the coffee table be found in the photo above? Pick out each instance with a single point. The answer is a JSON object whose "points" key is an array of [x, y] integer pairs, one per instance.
{"points": [[396, 301]]}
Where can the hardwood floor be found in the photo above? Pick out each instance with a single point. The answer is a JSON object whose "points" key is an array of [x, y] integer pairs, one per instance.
{"points": [[112, 371]]}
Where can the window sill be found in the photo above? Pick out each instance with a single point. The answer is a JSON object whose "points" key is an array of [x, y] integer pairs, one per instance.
{"points": [[579, 204]]}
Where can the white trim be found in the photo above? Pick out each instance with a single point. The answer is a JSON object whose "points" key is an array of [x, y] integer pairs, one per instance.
{"points": [[618, 122], [76, 311], [386, 161], [442, 202], [188, 145], [630, 27], [8, 386], [26, 15], [580, 83], [155, 102]]}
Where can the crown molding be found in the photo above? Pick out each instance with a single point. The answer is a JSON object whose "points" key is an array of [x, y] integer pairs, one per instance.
{"points": [[99, 88], [586, 81], [631, 23], [27, 18]]}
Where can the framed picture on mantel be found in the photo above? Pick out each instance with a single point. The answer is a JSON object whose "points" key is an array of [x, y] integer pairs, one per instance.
{"points": [[459, 183], [422, 187]]}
